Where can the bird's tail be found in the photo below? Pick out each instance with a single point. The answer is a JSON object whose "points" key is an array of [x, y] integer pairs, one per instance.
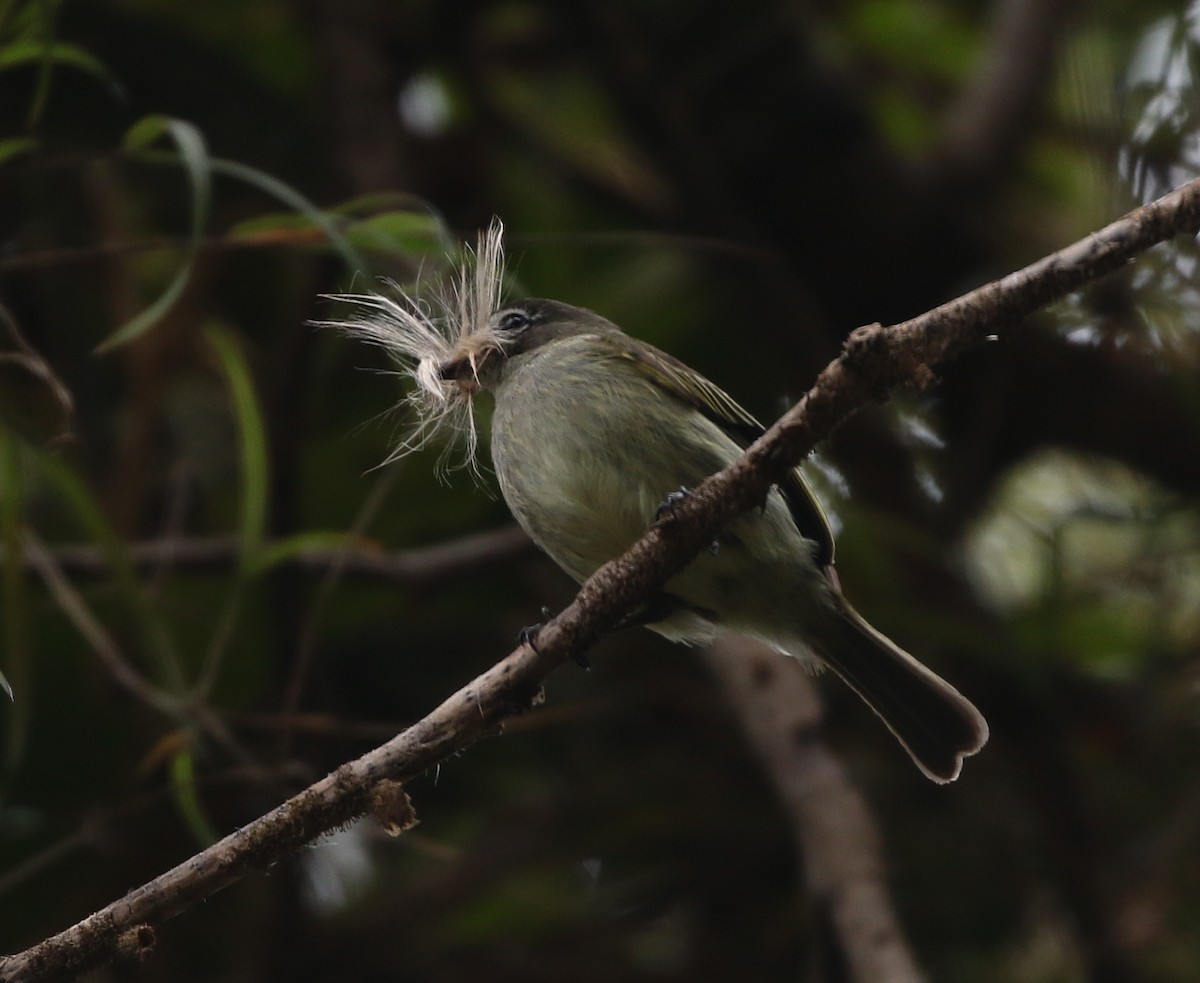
{"points": [[935, 723]]}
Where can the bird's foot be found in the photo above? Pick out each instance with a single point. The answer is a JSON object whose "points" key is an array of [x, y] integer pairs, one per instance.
{"points": [[528, 636], [666, 510]]}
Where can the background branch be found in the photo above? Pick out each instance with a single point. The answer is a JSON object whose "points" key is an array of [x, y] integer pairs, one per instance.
{"points": [[839, 845], [985, 125], [422, 566]]}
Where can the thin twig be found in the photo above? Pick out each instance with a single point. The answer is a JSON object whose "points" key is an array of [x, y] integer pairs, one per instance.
{"points": [[424, 566], [71, 603], [122, 671]]}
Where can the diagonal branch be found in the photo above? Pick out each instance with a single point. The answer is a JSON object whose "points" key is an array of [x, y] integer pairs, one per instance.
{"points": [[876, 361]]}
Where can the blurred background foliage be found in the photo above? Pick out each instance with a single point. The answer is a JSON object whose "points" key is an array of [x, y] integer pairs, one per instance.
{"points": [[187, 471]]}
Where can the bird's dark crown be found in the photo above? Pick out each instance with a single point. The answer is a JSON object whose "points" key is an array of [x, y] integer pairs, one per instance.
{"points": [[535, 321]]}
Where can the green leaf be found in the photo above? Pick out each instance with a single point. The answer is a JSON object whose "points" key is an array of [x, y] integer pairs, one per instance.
{"points": [[46, 55], [283, 550], [274, 225], [20, 53], [375, 202], [15, 147], [293, 199], [183, 785], [398, 233], [426, 221], [252, 442], [193, 154]]}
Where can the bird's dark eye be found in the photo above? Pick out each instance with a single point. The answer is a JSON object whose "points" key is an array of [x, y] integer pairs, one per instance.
{"points": [[514, 321]]}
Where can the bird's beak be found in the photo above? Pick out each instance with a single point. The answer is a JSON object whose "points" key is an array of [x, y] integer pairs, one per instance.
{"points": [[460, 369]]}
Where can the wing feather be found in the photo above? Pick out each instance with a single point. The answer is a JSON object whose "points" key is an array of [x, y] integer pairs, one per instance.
{"points": [[681, 382]]}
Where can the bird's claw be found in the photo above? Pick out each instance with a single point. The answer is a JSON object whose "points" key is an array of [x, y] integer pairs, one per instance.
{"points": [[667, 508], [667, 511], [528, 634]]}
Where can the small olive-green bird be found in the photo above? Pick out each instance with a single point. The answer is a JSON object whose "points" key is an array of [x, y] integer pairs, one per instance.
{"points": [[594, 429]]}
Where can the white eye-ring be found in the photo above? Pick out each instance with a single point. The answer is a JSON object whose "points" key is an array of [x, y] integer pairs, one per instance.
{"points": [[513, 321]]}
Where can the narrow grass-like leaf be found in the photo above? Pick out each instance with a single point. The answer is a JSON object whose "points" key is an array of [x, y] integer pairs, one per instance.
{"points": [[193, 154], [183, 786], [252, 446], [283, 550], [398, 233], [255, 483], [407, 234], [377, 202], [293, 199], [29, 52], [46, 56], [278, 227], [15, 147]]}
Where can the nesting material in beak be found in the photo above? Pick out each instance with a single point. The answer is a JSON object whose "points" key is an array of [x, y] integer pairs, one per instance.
{"points": [[437, 338]]}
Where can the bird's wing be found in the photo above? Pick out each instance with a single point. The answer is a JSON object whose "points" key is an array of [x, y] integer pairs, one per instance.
{"points": [[683, 383]]}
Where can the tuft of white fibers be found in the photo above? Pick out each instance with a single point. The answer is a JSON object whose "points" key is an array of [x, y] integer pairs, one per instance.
{"points": [[420, 331]]}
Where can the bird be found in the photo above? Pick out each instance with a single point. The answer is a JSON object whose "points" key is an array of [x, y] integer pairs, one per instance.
{"points": [[593, 431]]}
